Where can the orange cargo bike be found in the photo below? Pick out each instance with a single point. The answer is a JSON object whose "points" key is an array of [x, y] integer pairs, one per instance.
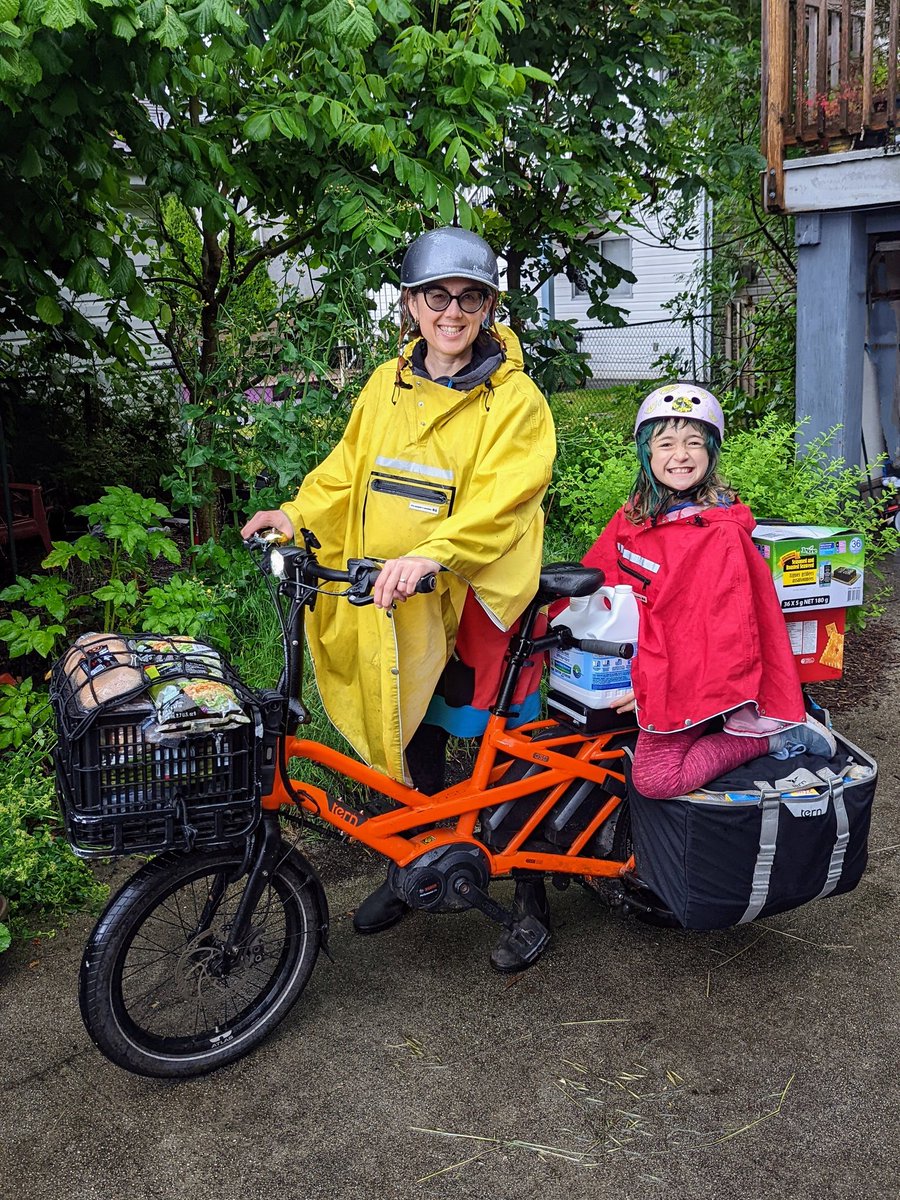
{"points": [[208, 945]]}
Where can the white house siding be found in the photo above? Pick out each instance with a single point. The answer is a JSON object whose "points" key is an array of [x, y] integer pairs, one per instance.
{"points": [[661, 264]]}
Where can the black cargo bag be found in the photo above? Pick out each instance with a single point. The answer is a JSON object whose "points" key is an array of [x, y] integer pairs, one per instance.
{"points": [[762, 839]]}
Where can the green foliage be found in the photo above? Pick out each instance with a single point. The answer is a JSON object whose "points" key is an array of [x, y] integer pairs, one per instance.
{"points": [[314, 118], [114, 566], [71, 422], [593, 428], [26, 634], [713, 98], [24, 715], [589, 137], [334, 131], [256, 637], [39, 874], [273, 404], [598, 469], [184, 604], [552, 351], [591, 484]]}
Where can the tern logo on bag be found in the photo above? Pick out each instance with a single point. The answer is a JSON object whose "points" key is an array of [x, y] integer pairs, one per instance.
{"points": [[814, 807]]}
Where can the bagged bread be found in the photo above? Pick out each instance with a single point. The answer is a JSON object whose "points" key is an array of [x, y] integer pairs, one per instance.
{"points": [[100, 667]]}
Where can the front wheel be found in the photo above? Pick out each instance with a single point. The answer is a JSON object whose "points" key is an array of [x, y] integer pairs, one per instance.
{"points": [[159, 996]]}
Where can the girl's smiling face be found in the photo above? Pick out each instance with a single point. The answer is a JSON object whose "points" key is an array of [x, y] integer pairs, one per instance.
{"points": [[679, 459]]}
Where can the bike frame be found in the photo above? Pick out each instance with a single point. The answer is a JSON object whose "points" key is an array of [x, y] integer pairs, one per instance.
{"points": [[398, 834]]}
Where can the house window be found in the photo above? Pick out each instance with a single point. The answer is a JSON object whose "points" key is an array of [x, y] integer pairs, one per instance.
{"points": [[616, 250]]}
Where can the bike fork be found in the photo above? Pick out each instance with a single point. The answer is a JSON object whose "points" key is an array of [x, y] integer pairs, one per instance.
{"points": [[262, 858]]}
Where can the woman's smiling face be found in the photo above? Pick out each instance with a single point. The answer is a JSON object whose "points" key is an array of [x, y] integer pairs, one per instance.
{"points": [[678, 456], [449, 334]]}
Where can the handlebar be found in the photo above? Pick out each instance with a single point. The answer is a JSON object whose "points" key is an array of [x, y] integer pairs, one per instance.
{"points": [[297, 566], [606, 649], [562, 635]]}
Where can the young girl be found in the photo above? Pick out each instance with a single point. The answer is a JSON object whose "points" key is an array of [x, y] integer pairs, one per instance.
{"points": [[713, 641]]}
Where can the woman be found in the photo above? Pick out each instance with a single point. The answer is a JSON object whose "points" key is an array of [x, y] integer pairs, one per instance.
{"points": [[442, 468]]}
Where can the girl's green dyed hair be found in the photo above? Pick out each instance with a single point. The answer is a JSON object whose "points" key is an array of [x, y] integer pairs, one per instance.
{"points": [[649, 498]]}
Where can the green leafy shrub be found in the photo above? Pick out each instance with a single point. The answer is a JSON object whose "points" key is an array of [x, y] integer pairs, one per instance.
{"points": [[39, 874], [590, 485], [815, 487], [71, 421], [108, 580], [24, 714], [761, 463]]}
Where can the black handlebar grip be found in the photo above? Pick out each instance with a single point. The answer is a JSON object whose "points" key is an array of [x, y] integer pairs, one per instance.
{"points": [[426, 584], [607, 649]]}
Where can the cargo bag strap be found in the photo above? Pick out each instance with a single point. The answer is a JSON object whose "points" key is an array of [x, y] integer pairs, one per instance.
{"points": [[770, 803], [842, 831]]}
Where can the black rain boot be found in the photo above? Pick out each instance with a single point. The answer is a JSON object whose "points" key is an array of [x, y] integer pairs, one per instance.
{"points": [[425, 757], [379, 911], [530, 900]]}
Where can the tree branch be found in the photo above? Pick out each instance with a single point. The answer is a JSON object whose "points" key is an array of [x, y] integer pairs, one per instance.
{"points": [[269, 250], [168, 341]]}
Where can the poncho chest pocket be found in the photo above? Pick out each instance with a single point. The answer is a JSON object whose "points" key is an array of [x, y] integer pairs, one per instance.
{"points": [[400, 512]]}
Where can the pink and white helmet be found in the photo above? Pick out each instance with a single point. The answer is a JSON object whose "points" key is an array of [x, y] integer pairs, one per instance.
{"points": [[684, 400]]}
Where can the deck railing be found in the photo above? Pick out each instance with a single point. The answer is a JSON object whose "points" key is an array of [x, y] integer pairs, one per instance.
{"points": [[829, 77]]}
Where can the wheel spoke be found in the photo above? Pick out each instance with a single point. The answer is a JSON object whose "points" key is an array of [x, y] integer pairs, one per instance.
{"points": [[172, 990]]}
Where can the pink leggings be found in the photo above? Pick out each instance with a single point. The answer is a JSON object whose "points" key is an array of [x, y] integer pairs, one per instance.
{"points": [[670, 764]]}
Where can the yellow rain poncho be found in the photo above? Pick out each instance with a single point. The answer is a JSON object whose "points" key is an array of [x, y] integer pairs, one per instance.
{"points": [[454, 476]]}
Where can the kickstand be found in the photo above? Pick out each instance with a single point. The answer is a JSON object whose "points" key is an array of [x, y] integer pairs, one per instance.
{"points": [[526, 935]]}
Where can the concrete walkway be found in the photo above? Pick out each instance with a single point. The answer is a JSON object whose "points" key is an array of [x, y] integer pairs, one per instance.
{"points": [[760, 1062]]}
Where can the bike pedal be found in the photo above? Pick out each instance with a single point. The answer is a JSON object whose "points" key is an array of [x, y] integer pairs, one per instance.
{"points": [[528, 938]]}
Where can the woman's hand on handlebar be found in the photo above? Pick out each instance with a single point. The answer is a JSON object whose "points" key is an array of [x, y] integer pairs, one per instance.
{"points": [[398, 577], [272, 519]]}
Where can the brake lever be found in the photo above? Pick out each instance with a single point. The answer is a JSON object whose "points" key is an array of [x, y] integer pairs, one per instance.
{"points": [[363, 572]]}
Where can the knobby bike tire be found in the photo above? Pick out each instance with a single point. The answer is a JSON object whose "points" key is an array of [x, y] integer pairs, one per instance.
{"points": [[153, 993]]}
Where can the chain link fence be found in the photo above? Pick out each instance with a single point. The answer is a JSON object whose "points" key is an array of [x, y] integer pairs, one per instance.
{"points": [[713, 350], [645, 350]]}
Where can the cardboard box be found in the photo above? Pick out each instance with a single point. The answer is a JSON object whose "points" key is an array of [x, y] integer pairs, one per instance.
{"points": [[817, 640], [813, 566]]}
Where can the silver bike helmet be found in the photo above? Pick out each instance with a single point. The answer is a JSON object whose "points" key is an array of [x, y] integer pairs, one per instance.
{"points": [[449, 253], [682, 400]]}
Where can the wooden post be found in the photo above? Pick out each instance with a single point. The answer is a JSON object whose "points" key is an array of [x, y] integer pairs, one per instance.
{"points": [[892, 65], [821, 67], [868, 43], [844, 72], [801, 90], [777, 66]]}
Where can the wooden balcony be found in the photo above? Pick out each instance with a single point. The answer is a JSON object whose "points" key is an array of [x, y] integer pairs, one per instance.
{"points": [[829, 80]]}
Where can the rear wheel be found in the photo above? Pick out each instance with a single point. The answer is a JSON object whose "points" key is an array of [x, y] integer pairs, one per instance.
{"points": [[159, 996]]}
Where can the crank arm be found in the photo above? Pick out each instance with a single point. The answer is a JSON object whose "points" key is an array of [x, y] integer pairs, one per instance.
{"points": [[478, 898], [527, 935]]}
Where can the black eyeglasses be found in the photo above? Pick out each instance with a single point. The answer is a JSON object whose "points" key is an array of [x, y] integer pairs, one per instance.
{"points": [[438, 299]]}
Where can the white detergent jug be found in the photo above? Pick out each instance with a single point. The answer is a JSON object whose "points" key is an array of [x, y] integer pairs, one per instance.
{"points": [[592, 680]]}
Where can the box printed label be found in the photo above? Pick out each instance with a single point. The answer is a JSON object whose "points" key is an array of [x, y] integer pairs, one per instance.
{"points": [[813, 566]]}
